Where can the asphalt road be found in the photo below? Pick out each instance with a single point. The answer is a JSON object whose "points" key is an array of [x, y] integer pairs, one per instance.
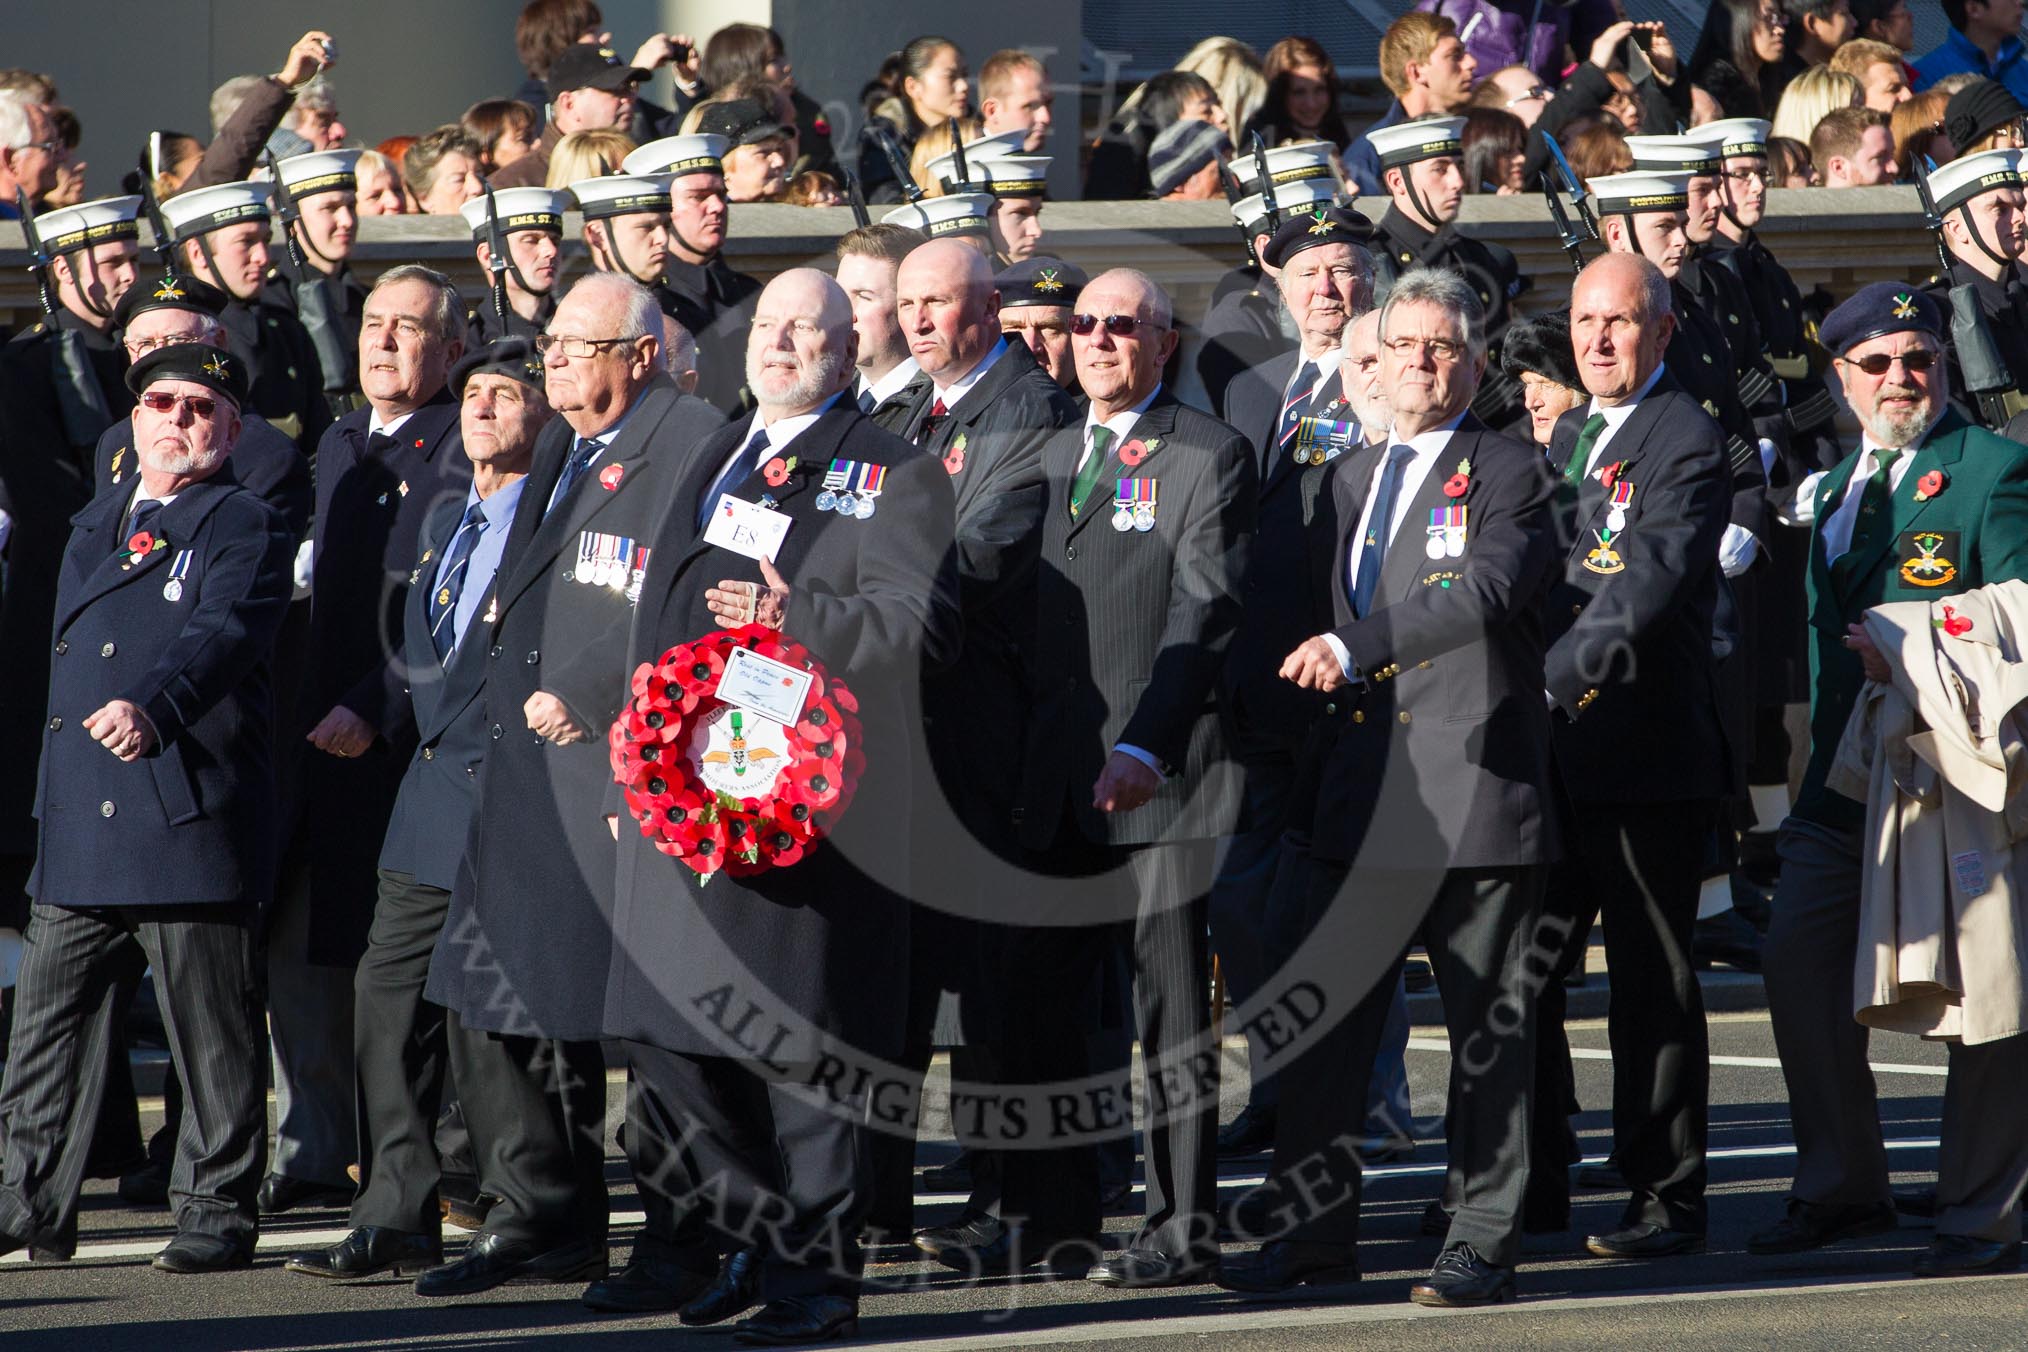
{"points": [[1857, 1295]]}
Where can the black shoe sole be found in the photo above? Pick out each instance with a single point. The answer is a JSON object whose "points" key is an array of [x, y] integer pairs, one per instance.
{"points": [[400, 1268], [848, 1329], [1593, 1247], [1437, 1300]]}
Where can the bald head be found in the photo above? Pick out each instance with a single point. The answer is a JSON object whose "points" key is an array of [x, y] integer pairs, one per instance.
{"points": [[801, 347], [1620, 324], [948, 308]]}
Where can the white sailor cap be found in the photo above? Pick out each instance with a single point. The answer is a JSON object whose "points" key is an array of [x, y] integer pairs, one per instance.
{"points": [[1736, 136], [319, 171], [1302, 195], [965, 213], [1633, 194], [202, 210], [676, 156], [1961, 180], [1293, 163], [89, 223], [1693, 155], [1001, 176], [519, 209], [1426, 138], [621, 195]]}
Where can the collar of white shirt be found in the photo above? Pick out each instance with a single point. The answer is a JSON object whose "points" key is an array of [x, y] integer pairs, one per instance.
{"points": [[1616, 414], [1121, 424], [1327, 364], [782, 431], [391, 428], [962, 386], [890, 384]]}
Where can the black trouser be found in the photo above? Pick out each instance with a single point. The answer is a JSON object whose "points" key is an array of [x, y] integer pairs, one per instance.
{"points": [[1637, 866], [67, 998], [1479, 927], [1243, 892], [725, 1157], [536, 1108]]}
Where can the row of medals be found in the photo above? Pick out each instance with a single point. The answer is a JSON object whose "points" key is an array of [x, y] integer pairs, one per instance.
{"points": [[1139, 516], [847, 503]]}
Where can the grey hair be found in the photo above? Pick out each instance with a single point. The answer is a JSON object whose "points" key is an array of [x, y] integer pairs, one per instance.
{"points": [[1446, 290], [640, 316], [16, 128], [226, 99], [316, 96], [679, 349], [447, 312]]}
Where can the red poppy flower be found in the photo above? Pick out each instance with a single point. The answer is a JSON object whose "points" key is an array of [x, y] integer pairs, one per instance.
{"points": [[140, 542], [610, 476], [1611, 473], [1929, 485], [820, 125], [1455, 486], [700, 674], [1955, 624], [954, 461], [776, 472], [1133, 453], [843, 697]]}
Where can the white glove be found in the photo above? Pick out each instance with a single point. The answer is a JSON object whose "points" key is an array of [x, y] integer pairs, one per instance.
{"points": [[1737, 549], [1801, 509], [303, 553], [6, 529]]}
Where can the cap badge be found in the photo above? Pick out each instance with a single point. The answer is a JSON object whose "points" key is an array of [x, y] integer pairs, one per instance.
{"points": [[168, 290], [1904, 305], [1323, 223], [215, 367], [1045, 280]]}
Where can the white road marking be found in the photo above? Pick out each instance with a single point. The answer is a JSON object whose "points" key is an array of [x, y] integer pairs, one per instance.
{"points": [[1430, 1044]]}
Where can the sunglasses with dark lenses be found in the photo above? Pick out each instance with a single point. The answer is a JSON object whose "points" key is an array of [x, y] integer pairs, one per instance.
{"points": [[1119, 326], [159, 402], [1879, 363]]}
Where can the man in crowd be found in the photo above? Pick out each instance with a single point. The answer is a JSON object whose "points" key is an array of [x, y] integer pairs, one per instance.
{"points": [[1014, 95], [529, 222], [398, 1039], [323, 189], [1878, 69], [1928, 506], [590, 89], [1853, 148], [1037, 298], [157, 820], [1430, 74], [28, 152], [889, 379], [1985, 40]]}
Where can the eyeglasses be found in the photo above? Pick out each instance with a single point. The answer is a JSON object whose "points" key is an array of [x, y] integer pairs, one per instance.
{"points": [[1119, 326], [1744, 176], [1880, 363], [1443, 349], [1527, 95], [138, 347], [158, 402], [579, 348]]}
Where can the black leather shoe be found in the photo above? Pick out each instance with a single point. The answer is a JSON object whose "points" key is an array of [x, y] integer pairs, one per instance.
{"points": [[203, 1253], [1604, 1176], [1642, 1240], [1726, 940], [1289, 1263], [1753, 901], [146, 1186], [953, 1177], [1967, 1256], [281, 1193], [1917, 1202], [492, 1261], [973, 1232], [646, 1285], [369, 1251], [1145, 1269], [793, 1320], [1015, 1250], [1461, 1277], [732, 1292], [1251, 1133], [1810, 1225]]}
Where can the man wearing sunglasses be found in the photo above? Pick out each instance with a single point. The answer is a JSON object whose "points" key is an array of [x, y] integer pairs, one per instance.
{"points": [[1985, 217], [1929, 506], [157, 818]]}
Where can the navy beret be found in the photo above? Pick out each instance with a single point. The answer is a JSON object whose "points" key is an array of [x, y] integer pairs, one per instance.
{"points": [[1307, 230], [1877, 308], [170, 293], [511, 357], [1040, 280], [199, 363]]}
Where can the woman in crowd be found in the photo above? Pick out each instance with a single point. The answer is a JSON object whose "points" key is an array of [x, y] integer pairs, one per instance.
{"points": [[380, 190], [1495, 150], [1738, 56], [1983, 116], [441, 171], [1809, 96], [587, 154], [1302, 96], [1788, 164], [746, 53], [1918, 128], [506, 130], [1537, 352], [930, 85], [934, 145], [1234, 72]]}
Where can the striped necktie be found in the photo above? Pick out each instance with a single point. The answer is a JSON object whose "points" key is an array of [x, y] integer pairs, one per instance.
{"points": [[457, 562], [1297, 403]]}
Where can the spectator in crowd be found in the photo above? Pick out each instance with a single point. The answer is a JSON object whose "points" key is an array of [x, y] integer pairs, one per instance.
{"points": [[1233, 70], [548, 28], [1537, 352], [1184, 162], [1887, 21], [1430, 74], [588, 154], [1014, 95], [28, 151], [757, 152], [1739, 56], [930, 86], [1883, 80], [1520, 32], [1809, 97], [396, 148], [590, 89], [315, 115], [1302, 96], [1853, 148], [1599, 149], [38, 87], [169, 159], [814, 188], [506, 130], [1625, 103], [70, 170], [936, 143], [1817, 29], [1119, 161], [1514, 89], [441, 171], [380, 192], [1495, 142], [743, 53], [1917, 126], [1985, 39], [1788, 164], [1983, 115]]}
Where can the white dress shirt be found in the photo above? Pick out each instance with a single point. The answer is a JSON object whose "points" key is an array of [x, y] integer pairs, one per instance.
{"points": [[1837, 530], [962, 386], [1615, 418], [890, 384], [391, 428], [781, 432]]}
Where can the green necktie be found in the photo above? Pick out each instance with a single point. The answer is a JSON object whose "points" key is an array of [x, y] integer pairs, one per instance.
{"points": [[1088, 472], [1876, 515], [1587, 437]]}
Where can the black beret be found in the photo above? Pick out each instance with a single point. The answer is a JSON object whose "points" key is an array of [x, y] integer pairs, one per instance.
{"points": [[511, 357], [1040, 280], [1307, 230], [1541, 344], [742, 122], [1878, 308], [1979, 108], [171, 293], [199, 363]]}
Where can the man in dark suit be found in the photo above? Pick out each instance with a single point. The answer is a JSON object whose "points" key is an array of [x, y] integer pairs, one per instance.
{"points": [[771, 1127], [156, 807], [398, 1039], [1631, 675], [1125, 783], [889, 380], [1435, 816], [1930, 505], [520, 966], [984, 413], [381, 471]]}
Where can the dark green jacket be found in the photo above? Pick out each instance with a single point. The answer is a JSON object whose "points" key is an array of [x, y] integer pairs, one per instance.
{"points": [[1971, 531]]}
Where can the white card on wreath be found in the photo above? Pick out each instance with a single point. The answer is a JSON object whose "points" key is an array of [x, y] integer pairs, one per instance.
{"points": [[746, 528], [764, 686]]}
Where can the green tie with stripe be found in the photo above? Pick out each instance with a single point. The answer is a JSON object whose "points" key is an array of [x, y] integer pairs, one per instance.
{"points": [[1088, 472], [1587, 437]]}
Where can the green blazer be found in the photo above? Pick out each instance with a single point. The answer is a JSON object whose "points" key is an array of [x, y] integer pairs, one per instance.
{"points": [[1971, 531]]}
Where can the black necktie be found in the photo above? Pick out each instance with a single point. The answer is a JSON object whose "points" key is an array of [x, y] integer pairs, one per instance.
{"points": [[1297, 402], [379, 443], [1373, 549], [866, 401], [444, 601], [137, 521], [573, 469], [743, 464], [1875, 522]]}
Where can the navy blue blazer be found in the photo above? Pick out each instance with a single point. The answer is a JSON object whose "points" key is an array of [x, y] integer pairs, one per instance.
{"points": [[194, 820]]}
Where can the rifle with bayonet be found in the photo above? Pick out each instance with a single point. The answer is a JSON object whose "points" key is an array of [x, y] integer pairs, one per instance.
{"points": [[958, 166], [497, 261], [1567, 233], [79, 397], [856, 196], [313, 306], [911, 191], [1981, 369], [1267, 183], [1233, 197]]}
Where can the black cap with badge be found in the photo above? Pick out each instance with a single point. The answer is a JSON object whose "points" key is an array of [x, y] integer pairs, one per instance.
{"points": [[1880, 308], [1040, 280], [1308, 229], [170, 293], [742, 122], [589, 65], [199, 363], [511, 357]]}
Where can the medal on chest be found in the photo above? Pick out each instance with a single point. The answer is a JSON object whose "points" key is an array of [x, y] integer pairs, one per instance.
{"points": [[1621, 503], [179, 568], [1134, 505], [1446, 532]]}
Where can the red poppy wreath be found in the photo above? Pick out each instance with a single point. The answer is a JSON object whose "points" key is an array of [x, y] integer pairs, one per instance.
{"points": [[720, 786]]}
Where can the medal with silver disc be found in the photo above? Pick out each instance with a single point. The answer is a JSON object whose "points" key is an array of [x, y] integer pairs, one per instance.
{"points": [[172, 590], [834, 479]]}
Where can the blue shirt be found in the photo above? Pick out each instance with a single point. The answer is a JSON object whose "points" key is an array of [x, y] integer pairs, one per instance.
{"points": [[1362, 161], [1958, 55], [498, 513]]}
